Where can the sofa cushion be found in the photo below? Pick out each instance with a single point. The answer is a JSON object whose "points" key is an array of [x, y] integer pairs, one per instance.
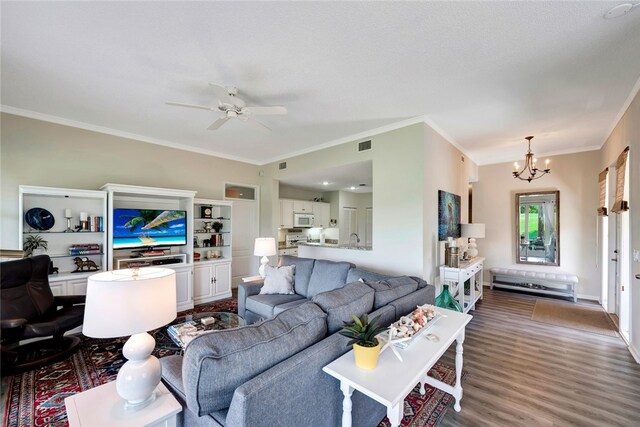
{"points": [[278, 280], [286, 306], [339, 304], [304, 267], [327, 275], [358, 273], [391, 289], [263, 305], [406, 304], [215, 364]]}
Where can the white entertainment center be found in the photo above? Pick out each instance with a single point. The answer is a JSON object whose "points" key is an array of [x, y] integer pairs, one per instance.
{"points": [[203, 270]]}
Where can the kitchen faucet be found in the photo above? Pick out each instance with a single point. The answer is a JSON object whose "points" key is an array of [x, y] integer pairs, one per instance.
{"points": [[357, 238]]}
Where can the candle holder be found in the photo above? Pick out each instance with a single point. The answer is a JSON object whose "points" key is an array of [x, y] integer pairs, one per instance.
{"points": [[67, 215]]}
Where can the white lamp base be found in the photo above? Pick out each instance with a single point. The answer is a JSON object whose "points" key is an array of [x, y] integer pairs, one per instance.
{"points": [[139, 377], [472, 248], [263, 262]]}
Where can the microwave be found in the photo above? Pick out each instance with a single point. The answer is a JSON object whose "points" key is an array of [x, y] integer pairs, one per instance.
{"points": [[302, 220]]}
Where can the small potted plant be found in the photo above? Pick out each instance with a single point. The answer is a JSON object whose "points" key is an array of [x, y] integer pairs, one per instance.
{"points": [[366, 346], [217, 226], [33, 243]]}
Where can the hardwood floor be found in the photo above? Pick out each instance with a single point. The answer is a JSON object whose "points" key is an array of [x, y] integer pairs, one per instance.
{"points": [[521, 372]]}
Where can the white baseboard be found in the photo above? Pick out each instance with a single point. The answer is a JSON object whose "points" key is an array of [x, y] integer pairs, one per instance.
{"points": [[635, 353]]}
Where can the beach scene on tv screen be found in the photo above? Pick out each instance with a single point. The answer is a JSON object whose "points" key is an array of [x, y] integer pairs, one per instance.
{"points": [[145, 227]]}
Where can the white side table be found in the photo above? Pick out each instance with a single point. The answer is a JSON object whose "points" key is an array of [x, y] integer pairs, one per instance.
{"points": [[102, 406]]}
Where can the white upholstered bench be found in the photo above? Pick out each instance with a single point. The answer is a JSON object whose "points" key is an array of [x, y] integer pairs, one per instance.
{"points": [[562, 284]]}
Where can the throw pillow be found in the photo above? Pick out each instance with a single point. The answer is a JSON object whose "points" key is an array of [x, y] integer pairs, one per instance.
{"points": [[278, 280]]}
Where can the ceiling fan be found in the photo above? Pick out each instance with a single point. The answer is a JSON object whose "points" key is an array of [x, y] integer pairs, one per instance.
{"points": [[231, 106]]}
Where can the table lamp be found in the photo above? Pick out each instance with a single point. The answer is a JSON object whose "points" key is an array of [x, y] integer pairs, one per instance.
{"points": [[264, 247], [473, 231], [132, 302]]}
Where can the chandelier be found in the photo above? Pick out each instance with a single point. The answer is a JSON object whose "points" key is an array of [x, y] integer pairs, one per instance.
{"points": [[530, 166]]}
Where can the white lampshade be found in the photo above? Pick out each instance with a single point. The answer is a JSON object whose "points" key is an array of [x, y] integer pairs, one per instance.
{"points": [[473, 230], [120, 303], [132, 302], [265, 246]]}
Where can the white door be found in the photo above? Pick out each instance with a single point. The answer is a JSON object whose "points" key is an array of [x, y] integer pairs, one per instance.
{"points": [[244, 224], [350, 221]]}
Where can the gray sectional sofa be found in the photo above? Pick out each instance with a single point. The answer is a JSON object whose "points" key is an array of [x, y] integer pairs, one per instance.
{"points": [[270, 373]]}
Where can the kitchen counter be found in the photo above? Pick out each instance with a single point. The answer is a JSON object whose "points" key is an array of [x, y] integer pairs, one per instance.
{"points": [[336, 246]]}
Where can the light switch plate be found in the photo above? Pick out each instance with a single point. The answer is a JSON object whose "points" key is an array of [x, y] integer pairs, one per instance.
{"points": [[636, 255]]}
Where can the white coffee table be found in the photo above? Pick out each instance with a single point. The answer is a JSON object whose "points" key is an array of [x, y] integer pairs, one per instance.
{"points": [[392, 380]]}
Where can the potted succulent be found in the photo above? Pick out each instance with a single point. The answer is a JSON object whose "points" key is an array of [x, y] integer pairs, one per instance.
{"points": [[33, 243], [366, 346], [217, 226]]}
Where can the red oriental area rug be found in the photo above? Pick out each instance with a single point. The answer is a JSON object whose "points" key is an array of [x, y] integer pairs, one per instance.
{"points": [[36, 398]]}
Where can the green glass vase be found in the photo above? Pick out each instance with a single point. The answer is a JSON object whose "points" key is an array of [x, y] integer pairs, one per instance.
{"points": [[445, 300]]}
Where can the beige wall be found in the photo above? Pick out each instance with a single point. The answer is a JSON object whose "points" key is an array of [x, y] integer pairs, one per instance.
{"points": [[410, 165], [575, 176], [444, 170], [627, 133], [34, 152]]}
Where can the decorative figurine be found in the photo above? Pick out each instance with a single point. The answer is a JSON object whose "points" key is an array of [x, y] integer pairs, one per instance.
{"points": [[82, 262]]}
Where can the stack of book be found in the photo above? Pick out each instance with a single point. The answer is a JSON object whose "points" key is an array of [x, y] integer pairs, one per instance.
{"points": [[94, 223], [179, 332], [85, 249]]}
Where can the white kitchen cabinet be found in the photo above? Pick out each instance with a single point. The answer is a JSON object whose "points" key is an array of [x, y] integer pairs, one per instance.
{"points": [[286, 213], [184, 287], [302, 206], [290, 251], [212, 281], [322, 214]]}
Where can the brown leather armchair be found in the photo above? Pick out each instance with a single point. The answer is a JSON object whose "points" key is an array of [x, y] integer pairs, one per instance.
{"points": [[30, 310]]}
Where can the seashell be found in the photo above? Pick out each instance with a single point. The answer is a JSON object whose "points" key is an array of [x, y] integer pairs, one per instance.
{"points": [[407, 321], [416, 327]]}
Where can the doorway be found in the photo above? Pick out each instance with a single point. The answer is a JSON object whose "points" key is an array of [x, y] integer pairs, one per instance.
{"points": [[618, 266], [245, 223]]}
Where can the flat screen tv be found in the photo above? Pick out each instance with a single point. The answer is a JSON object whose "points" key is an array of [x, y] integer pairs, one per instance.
{"points": [[136, 228]]}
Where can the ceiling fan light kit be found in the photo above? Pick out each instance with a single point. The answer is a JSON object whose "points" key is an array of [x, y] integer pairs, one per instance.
{"points": [[231, 106], [530, 166]]}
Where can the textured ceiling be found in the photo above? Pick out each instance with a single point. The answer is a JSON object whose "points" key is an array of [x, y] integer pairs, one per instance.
{"points": [[485, 74]]}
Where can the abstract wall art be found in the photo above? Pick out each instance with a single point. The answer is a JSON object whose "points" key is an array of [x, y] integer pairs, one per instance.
{"points": [[448, 215]]}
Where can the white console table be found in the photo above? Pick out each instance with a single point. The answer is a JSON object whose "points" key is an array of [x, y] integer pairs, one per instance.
{"points": [[456, 277]]}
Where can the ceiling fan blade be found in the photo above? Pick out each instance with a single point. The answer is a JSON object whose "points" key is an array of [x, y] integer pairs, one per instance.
{"points": [[256, 124], [221, 93], [200, 107], [264, 111], [216, 125]]}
